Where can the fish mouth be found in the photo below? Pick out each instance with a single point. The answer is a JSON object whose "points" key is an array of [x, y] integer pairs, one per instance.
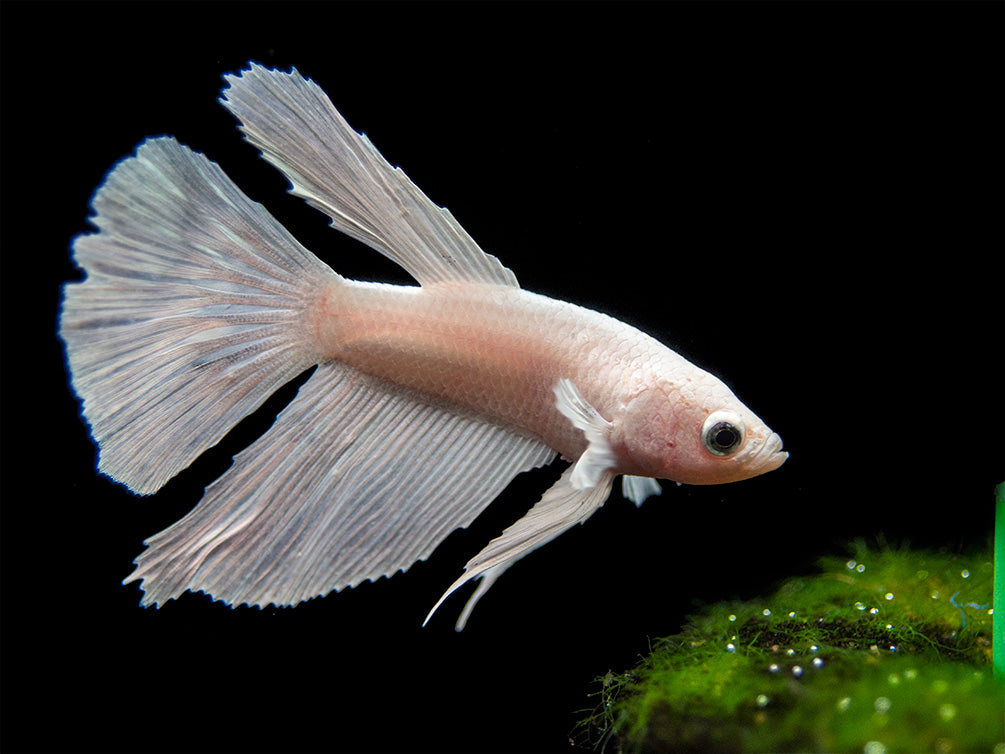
{"points": [[768, 457]]}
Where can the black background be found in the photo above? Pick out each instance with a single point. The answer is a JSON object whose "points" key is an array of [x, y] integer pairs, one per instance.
{"points": [[805, 199]]}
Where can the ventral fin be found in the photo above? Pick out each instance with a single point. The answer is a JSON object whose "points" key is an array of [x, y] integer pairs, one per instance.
{"points": [[599, 455], [338, 171], [639, 488], [355, 480], [563, 506]]}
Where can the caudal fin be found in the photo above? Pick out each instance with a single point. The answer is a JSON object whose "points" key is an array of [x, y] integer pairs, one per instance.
{"points": [[192, 313]]}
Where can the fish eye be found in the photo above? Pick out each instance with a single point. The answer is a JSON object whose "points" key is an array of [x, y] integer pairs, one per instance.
{"points": [[722, 433]]}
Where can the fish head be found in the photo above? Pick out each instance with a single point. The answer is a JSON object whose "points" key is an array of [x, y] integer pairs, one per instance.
{"points": [[695, 431]]}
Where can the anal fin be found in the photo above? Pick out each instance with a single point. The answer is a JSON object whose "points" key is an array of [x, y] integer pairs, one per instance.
{"points": [[354, 481]]}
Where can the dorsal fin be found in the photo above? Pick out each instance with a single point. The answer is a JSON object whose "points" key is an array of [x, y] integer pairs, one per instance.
{"points": [[338, 171]]}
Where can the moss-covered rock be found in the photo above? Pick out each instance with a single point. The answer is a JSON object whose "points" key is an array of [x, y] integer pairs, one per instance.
{"points": [[887, 652]]}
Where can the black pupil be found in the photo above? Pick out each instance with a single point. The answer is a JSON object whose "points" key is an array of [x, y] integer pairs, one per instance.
{"points": [[724, 436]]}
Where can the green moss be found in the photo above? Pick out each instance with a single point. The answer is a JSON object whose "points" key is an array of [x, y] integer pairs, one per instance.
{"points": [[889, 651]]}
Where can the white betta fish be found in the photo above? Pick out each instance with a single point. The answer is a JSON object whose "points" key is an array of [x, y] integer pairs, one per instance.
{"points": [[427, 400]]}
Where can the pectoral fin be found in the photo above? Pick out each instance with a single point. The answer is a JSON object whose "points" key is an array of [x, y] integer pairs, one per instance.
{"points": [[599, 455], [561, 507]]}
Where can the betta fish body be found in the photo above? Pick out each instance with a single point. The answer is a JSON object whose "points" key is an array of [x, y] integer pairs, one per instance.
{"points": [[426, 401]]}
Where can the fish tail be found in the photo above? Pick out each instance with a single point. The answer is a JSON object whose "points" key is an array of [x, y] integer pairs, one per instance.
{"points": [[195, 308]]}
